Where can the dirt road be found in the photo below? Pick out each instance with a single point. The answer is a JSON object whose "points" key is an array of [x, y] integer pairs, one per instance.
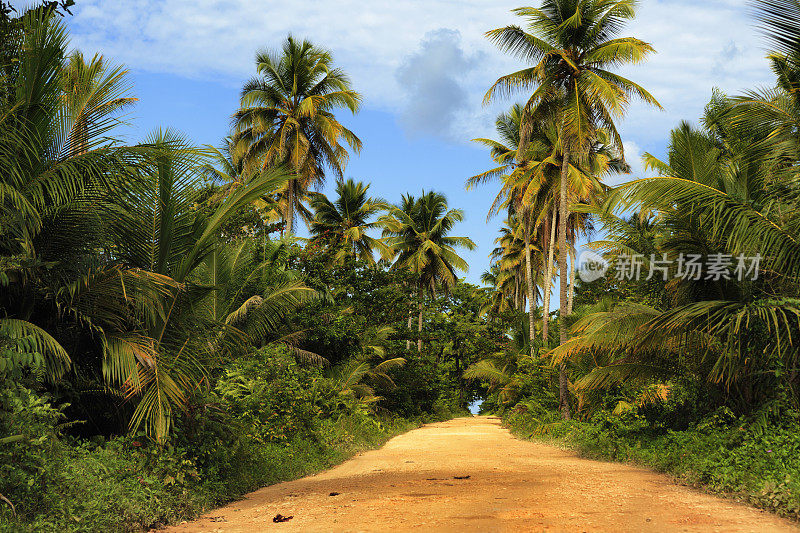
{"points": [[470, 474]]}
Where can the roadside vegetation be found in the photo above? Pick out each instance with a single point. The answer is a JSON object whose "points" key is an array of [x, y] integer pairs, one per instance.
{"points": [[692, 373], [168, 342]]}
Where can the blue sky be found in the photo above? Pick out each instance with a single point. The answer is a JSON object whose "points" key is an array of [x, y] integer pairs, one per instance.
{"points": [[422, 66]]}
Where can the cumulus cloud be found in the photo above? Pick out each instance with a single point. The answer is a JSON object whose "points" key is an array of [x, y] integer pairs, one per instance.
{"points": [[433, 82]]}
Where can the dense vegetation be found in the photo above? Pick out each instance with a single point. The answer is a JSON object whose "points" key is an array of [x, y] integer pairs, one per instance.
{"points": [[690, 371], [167, 341]]}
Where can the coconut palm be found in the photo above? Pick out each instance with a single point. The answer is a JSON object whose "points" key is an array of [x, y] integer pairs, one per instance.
{"points": [[508, 258], [287, 118], [511, 258], [502, 292], [516, 171], [729, 187], [571, 45], [716, 194], [342, 225], [155, 226], [418, 230], [252, 293], [530, 181], [56, 160], [95, 93]]}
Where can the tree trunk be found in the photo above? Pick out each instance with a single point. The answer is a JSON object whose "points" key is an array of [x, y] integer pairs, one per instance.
{"points": [[572, 272], [419, 323], [410, 325], [551, 247], [529, 272], [410, 316], [563, 392], [289, 209]]}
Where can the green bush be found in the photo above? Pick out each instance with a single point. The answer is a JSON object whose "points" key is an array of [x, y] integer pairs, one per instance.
{"points": [[755, 458], [61, 483], [267, 420]]}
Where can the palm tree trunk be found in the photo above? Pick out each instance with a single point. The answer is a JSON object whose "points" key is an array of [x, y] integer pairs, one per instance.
{"points": [[410, 325], [419, 322], [563, 392], [410, 318], [289, 209], [572, 272], [529, 272], [551, 247]]}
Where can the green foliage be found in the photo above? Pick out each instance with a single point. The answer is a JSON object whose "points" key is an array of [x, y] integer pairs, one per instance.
{"points": [[754, 458], [270, 395], [267, 420]]}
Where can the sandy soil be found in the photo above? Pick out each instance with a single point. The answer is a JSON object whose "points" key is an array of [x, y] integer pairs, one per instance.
{"points": [[470, 474]]}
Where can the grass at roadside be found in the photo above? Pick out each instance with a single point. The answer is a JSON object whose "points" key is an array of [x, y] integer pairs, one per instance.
{"points": [[122, 485], [746, 461]]}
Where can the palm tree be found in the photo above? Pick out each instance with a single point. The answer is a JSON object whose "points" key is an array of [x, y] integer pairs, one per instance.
{"points": [[501, 290], [342, 225], [517, 170], [571, 45], [529, 184], [252, 291], [56, 161], [155, 226], [287, 118], [95, 93], [722, 190], [418, 231], [509, 259], [226, 172]]}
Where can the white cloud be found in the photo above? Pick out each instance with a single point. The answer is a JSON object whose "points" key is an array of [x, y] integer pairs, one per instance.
{"points": [[700, 45]]}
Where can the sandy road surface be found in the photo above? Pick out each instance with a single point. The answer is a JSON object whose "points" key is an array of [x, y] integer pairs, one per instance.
{"points": [[410, 484]]}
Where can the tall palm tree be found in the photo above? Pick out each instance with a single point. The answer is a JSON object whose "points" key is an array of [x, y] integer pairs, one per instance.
{"points": [[510, 258], [572, 44], [501, 290], [342, 225], [287, 118], [724, 189], [515, 171], [418, 230], [530, 178]]}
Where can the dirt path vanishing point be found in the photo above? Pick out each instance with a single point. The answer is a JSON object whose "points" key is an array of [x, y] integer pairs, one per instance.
{"points": [[470, 474]]}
